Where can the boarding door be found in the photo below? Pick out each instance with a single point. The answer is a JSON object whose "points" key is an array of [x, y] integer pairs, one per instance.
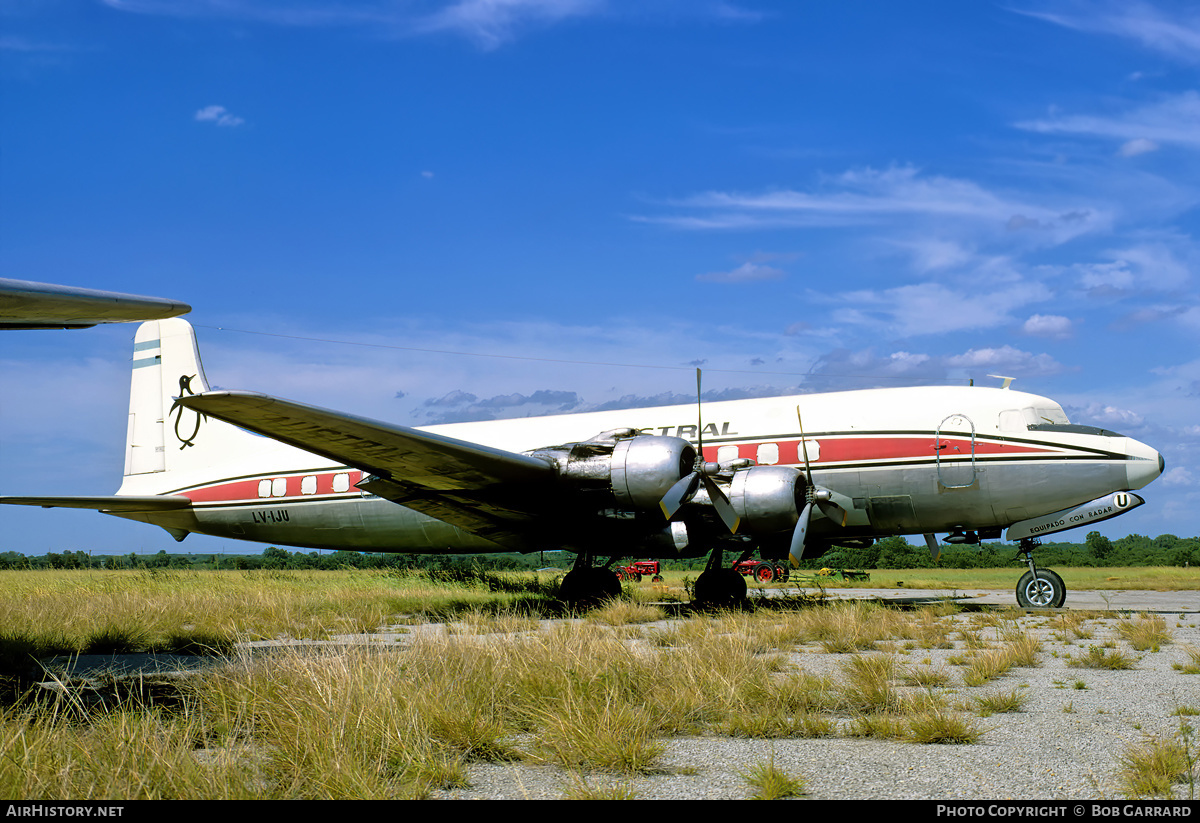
{"points": [[955, 450]]}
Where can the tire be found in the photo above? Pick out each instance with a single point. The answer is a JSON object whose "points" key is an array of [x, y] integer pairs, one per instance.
{"points": [[782, 573], [722, 588], [764, 573], [589, 587], [1046, 592]]}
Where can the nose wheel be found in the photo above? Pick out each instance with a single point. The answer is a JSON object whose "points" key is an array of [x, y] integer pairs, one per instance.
{"points": [[1038, 588]]}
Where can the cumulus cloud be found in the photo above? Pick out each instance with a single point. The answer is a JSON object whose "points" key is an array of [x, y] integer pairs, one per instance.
{"points": [[1108, 416], [1048, 325], [1006, 359]]}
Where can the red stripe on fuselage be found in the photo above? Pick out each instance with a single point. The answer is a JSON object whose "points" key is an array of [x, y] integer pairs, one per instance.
{"points": [[891, 447], [247, 491]]}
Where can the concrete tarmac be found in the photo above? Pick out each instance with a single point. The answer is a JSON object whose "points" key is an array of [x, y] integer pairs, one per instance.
{"points": [[1116, 600]]}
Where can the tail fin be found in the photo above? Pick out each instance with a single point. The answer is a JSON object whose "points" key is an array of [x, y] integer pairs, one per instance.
{"points": [[162, 436]]}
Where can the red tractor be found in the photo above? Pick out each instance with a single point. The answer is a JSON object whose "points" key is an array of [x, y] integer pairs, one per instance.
{"points": [[634, 571], [763, 571]]}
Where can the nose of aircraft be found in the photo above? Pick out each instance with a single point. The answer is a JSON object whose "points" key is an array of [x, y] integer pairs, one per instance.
{"points": [[1144, 464]]}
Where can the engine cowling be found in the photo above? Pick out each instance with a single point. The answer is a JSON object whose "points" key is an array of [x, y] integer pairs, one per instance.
{"points": [[637, 469], [768, 499]]}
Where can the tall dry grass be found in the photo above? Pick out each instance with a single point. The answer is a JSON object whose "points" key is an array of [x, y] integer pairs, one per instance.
{"points": [[409, 721]]}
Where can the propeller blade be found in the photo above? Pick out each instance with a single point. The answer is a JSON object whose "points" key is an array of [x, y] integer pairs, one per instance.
{"points": [[796, 549], [828, 508], [834, 512], [679, 494], [724, 508]]}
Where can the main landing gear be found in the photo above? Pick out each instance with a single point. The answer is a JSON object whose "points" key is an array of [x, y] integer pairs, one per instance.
{"points": [[587, 585], [720, 586], [1038, 588]]}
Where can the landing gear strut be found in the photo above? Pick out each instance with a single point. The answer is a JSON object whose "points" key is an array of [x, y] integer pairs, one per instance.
{"points": [[1038, 588]]}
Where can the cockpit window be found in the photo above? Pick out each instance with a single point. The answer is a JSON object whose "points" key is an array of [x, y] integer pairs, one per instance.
{"points": [[1032, 418], [1042, 415], [1074, 428]]}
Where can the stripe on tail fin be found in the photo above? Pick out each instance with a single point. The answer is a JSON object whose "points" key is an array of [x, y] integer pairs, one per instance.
{"points": [[163, 436]]}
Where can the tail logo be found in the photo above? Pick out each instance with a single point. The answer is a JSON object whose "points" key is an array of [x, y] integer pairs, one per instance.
{"points": [[185, 387]]}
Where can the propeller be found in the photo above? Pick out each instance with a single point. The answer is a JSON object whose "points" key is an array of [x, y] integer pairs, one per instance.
{"points": [[686, 488], [821, 498]]}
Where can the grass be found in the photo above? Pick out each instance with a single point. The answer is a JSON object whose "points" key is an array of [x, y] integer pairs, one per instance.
{"points": [[1097, 657], [92, 611], [597, 694], [772, 783], [1147, 633], [1153, 767]]}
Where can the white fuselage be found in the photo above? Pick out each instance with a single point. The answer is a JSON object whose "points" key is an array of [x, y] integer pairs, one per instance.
{"points": [[899, 461]]}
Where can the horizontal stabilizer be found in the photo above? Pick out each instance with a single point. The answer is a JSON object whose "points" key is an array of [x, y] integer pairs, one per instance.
{"points": [[105, 503]]}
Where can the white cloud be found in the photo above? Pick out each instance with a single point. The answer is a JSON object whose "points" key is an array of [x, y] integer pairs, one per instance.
{"points": [[1176, 36], [898, 195], [219, 115], [934, 308], [1178, 476], [1048, 325], [1008, 360], [491, 23], [1109, 416], [748, 272], [1173, 120], [1137, 146]]}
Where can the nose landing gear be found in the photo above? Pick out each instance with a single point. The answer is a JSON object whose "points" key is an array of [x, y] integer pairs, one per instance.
{"points": [[1038, 588]]}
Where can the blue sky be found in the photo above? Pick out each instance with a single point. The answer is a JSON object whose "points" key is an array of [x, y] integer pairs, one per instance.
{"points": [[797, 196]]}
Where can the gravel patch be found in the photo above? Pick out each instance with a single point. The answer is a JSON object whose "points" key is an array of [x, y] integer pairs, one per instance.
{"points": [[1066, 743]]}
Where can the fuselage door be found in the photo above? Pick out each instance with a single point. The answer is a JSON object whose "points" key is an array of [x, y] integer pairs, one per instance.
{"points": [[954, 448]]}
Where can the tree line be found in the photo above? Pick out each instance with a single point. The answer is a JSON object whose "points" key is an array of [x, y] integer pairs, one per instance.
{"points": [[888, 553]]}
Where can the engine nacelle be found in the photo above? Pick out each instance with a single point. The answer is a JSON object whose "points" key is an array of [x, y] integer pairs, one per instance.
{"points": [[637, 469], [768, 499]]}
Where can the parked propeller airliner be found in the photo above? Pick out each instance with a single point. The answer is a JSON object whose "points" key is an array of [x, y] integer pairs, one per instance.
{"points": [[781, 476]]}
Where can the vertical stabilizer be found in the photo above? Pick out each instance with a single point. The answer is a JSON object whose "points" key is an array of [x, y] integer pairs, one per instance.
{"points": [[163, 437]]}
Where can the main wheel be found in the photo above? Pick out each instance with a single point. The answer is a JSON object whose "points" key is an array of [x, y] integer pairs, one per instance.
{"points": [[1046, 591], [587, 587], [721, 588]]}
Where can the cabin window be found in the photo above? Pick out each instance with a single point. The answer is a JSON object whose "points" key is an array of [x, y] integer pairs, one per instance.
{"points": [[264, 488], [341, 482], [309, 484], [768, 454], [726, 453], [279, 487], [811, 447]]}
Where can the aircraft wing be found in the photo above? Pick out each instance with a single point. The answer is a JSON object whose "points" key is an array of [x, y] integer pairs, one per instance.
{"points": [[104, 503], [490, 492], [27, 305]]}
